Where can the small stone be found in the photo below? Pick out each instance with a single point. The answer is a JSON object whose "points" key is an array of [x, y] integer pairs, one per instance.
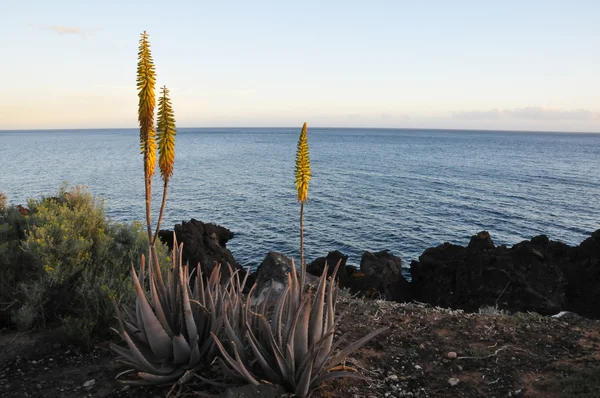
{"points": [[34, 362], [125, 388], [453, 381], [418, 367], [460, 368], [89, 383], [371, 396], [452, 355]]}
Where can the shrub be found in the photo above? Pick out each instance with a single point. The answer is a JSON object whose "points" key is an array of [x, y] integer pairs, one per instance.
{"points": [[63, 261]]}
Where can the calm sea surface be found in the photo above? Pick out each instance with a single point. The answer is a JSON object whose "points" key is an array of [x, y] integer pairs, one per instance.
{"points": [[403, 190]]}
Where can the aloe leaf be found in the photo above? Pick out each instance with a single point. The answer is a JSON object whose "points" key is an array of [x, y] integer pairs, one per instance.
{"points": [[296, 288], [162, 379], [284, 369], [195, 357], [330, 321], [262, 361], [237, 366], [228, 372], [181, 350], [233, 337], [247, 308], [245, 371], [316, 314], [131, 315], [139, 321], [301, 331], [159, 340], [353, 347], [314, 352], [303, 385], [156, 266], [124, 352], [140, 359], [187, 309], [158, 308], [291, 363]]}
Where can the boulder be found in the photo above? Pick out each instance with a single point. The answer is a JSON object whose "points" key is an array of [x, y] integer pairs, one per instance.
{"points": [[381, 275], [581, 267], [204, 244], [271, 277], [332, 259], [521, 278]]}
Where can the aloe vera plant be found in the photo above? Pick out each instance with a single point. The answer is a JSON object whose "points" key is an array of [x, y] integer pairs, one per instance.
{"points": [[291, 345], [170, 333]]}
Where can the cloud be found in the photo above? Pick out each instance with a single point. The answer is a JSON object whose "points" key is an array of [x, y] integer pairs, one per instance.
{"points": [[530, 113], [66, 30], [70, 30]]}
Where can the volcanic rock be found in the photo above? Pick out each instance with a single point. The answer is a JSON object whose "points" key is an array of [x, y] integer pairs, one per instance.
{"points": [[204, 244]]}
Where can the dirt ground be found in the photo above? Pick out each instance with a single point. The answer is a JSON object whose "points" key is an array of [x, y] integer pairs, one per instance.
{"points": [[427, 352]]}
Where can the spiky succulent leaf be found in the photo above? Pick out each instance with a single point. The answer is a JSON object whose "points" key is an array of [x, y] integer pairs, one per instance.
{"points": [[166, 135], [170, 334], [303, 173], [294, 348], [146, 80]]}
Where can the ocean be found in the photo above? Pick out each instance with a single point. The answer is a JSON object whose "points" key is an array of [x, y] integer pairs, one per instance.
{"points": [[372, 189]]}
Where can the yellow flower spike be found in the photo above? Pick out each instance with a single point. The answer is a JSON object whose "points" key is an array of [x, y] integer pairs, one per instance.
{"points": [[166, 135], [146, 80], [303, 174]]}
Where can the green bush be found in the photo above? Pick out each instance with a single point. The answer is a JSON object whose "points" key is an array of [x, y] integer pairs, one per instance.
{"points": [[61, 263]]}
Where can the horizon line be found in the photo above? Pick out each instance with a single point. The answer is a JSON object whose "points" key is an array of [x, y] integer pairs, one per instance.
{"points": [[316, 127]]}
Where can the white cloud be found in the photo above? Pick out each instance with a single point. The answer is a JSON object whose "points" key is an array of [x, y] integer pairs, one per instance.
{"points": [[530, 113], [70, 30]]}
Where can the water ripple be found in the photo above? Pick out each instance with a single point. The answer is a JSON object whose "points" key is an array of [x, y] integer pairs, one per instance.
{"points": [[403, 190]]}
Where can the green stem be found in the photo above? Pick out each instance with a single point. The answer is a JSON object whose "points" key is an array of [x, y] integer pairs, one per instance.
{"points": [[162, 210], [148, 186]]}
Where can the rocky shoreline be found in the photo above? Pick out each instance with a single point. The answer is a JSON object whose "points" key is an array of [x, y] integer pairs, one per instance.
{"points": [[537, 275]]}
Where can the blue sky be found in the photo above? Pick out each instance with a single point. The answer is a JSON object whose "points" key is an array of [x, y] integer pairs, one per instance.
{"points": [[521, 65]]}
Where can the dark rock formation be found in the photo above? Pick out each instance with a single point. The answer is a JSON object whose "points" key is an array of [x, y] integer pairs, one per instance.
{"points": [[274, 268], [203, 243], [581, 267], [332, 259], [381, 273], [271, 277], [521, 278]]}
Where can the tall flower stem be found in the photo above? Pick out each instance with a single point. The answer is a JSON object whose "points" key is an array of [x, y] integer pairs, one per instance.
{"points": [[303, 176], [146, 79]]}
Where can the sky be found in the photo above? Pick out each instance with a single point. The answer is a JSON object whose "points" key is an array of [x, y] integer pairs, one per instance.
{"points": [[510, 65]]}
